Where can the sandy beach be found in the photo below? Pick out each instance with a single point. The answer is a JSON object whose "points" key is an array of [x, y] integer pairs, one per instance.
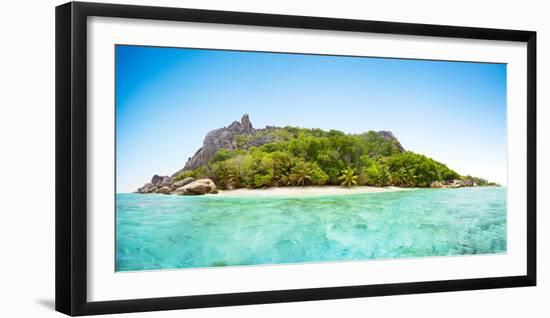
{"points": [[313, 190]]}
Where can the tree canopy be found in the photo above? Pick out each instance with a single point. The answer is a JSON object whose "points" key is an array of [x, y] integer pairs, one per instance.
{"points": [[302, 157]]}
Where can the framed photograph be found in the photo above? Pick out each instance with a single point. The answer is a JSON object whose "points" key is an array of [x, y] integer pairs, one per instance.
{"points": [[210, 158]]}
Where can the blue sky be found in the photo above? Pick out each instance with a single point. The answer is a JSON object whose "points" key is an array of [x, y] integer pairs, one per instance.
{"points": [[167, 99]]}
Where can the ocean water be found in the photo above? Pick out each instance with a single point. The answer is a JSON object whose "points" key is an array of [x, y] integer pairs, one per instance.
{"points": [[167, 232]]}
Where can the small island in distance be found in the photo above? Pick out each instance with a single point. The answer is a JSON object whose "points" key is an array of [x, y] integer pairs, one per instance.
{"points": [[240, 156]]}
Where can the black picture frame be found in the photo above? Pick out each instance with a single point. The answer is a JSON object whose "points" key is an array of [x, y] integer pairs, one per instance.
{"points": [[71, 157]]}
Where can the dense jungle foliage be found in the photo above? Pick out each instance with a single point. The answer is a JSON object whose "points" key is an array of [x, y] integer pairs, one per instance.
{"points": [[301, 157]]}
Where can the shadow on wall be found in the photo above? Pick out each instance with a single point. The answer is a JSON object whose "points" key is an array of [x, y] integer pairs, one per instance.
{"points": [[48, 303]]}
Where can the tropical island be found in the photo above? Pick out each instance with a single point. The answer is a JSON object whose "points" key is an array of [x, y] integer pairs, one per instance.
{"points": [[241, 157]]}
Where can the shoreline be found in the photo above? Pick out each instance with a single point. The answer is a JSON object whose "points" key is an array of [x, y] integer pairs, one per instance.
{"points": [[307, 191], [312, 191]]}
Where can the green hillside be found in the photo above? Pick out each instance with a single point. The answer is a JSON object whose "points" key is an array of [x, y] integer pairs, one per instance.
{"points": [[292, 156]]}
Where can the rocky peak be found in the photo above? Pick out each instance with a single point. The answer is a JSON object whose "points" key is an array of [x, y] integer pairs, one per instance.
{"points": [[245, 121], [234, 126], [243, 127], [389, 136], [222, 138]]}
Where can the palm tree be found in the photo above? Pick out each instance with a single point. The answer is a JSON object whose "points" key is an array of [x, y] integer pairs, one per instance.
{"points": [[348, 177], [235, 174], [282, 165], [233, 179], [401, 177], [301, 174]]}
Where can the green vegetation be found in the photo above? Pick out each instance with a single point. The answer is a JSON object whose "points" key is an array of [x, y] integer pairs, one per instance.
{"points": [[302, 157], [348, 177]]}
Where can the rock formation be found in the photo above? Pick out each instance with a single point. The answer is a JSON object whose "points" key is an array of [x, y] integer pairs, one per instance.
{"points": [[389, 136], [186, 186], [181, 183], [453, 184], [222, 138], [201, 186], [155, 184]]}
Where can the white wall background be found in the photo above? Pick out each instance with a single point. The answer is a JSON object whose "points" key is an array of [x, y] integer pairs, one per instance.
{"points": [[27, 158]]}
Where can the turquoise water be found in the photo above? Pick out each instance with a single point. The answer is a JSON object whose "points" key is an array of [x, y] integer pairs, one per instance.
{"points": [[162, 231]]}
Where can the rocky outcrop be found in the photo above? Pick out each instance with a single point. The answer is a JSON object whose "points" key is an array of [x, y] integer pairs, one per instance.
{"points": [[166, 182], [453, 184], [186, 186], [246, 124], [223, 138], [261, 140], [156, 180], [437, 184], [180, 191], [389, 136], [156, 183], [198, 187], [181, 183], [165, 190], [147, 188]]}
